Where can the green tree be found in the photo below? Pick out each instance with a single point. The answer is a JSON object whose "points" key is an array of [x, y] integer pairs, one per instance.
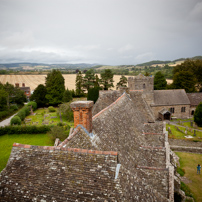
{"points": [[89, 79], [198, 115], [39, 95], [122, 83], [3, 100], [9, 88], [79, 84], [67, 96], [93, 94], [55, 87], [18, 96], [184, 80], [159, 81], [107, 79], [97, 81]]}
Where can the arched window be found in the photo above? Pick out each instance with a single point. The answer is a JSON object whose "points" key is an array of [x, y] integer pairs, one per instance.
{"points": [[192, 112]]}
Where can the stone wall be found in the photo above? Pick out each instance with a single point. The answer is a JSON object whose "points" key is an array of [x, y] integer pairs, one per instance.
{"points": [[186, 143], [187, 149], [177, 113]]}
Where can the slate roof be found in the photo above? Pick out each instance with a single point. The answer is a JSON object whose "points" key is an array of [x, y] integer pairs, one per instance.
{"points": [[195, 98], [170, 97], [52, 174], [73, 171]]}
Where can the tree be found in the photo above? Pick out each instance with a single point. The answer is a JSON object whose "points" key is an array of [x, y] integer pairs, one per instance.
{"points": [[18, 96], [89, 79], [39, 95], [122, 83], [55, 87], [159, 81], [107, 79], [67, 96], [97, 81], [79, 84], [184, 80], [192, 66], [3, 100], [198, 115], [93, 94], [9, 88]]}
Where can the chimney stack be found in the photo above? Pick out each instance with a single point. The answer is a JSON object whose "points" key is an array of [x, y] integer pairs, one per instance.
{"points": [[17, 85], [83, 114], [23, 84]]}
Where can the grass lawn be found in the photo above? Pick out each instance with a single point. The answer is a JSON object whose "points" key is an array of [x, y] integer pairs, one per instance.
{"points": [[179, 135], [189, 162], [6, 142]]}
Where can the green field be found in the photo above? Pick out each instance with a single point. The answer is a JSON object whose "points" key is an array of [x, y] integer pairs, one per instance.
{"points": [[189, 162], [6, 142]]}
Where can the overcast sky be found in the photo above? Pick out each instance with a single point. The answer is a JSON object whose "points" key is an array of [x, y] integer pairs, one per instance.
{"points": [[114, 32]]}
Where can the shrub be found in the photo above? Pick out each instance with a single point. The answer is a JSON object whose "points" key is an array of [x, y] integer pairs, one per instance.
{"points": [[15, 120], [21, 114], [33, 104], [14, 107], [57, 132], [27, 110], [24, 130], [198, 115], [51, 109]]}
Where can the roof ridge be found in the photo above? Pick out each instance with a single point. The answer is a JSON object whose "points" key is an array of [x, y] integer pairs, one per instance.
{"points": [[76, 150], [96, 115]]}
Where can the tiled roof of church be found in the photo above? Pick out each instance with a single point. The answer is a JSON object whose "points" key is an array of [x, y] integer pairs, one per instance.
{"points": [[195, 98], [170, 97]]}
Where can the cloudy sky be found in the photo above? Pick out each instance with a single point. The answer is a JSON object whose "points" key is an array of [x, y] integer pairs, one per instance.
{"points": [[111, 32]]}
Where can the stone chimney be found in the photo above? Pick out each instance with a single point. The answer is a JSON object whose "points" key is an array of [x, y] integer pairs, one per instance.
{"points": [[17, 85], [83, 114], [23, 84]]}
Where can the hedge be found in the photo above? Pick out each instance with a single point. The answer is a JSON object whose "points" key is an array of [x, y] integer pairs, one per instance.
{"points": [[15, 120], [24, 129]]}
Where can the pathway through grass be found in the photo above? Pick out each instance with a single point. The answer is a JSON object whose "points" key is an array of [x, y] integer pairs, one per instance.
{"points": [[6, 142], [189, 162]]}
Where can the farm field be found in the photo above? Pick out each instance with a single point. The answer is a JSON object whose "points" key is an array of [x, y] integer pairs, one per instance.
{"points": [[33, 81]]}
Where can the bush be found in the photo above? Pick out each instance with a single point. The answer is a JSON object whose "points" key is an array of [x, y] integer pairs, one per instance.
{"points": [[15, 120], [51, 109], [14, 107], [58, 132], [198, 115], [27, 110], [21, 114], [33, 104], [24, 130]]}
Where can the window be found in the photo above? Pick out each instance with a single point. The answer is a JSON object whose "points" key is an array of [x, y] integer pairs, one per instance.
{"points": [[192, 112], [144, 86], [183, 109], [172, 110]]}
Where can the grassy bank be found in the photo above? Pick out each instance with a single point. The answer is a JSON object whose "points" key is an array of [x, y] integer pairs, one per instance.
{"points": [[6, 142], [189, 162]]}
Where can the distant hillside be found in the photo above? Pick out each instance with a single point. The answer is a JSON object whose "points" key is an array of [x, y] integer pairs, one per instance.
{"points": [[30, 66], [159, 62]]}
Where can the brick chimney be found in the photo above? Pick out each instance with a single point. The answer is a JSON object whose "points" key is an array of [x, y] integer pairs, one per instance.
{"points": [[83, 114], [17, 85], [23, 84]]}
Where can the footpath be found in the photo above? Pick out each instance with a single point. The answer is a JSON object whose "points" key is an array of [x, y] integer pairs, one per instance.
{"points": [[6, 122]]}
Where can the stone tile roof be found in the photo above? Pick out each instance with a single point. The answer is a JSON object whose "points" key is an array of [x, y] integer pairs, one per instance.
{"points": [[170, 97], [48, 174], [195, 98]]}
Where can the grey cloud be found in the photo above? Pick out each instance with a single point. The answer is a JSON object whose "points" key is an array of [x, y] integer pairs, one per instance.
{"points": [[106, 32]]}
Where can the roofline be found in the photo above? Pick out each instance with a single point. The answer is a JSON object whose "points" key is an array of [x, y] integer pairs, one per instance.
{"points": [[76, 150], [96, 115], [156, 105]]}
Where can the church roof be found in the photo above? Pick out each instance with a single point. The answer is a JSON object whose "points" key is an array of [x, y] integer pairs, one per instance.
{"points": [[195, 98], [170, 97]]}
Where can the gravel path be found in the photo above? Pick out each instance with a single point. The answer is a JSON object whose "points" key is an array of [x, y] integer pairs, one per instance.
{"points": [[6, 122]]}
